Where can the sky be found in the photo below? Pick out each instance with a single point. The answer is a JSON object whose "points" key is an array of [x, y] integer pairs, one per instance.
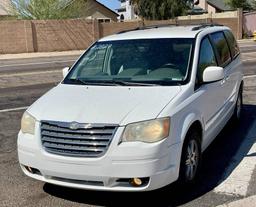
{"points": [[112, 4]]}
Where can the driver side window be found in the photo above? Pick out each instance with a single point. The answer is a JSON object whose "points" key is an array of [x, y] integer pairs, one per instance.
{"points": [[206, 58]]}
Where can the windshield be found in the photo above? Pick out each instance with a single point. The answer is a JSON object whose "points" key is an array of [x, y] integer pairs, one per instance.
{"points": [[134, 62]]}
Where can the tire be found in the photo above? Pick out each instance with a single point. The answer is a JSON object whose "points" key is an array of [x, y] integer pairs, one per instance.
{"points": [[190, 158], [239, 106]]}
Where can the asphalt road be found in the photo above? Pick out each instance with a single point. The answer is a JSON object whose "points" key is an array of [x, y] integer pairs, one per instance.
{"points": [[36, 64], [247, 46], [220, 160]]}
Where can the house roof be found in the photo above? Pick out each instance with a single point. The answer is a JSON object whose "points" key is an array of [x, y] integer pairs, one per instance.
{"points": [[107, 8], [219, 4], [69, 2]]}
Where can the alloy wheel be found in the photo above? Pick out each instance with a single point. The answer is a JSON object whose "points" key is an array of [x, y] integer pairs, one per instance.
{"points": [[238, 106], [192, 159]]}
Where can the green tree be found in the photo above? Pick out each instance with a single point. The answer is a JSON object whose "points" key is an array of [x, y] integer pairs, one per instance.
{"points": [[244, 4], [45, 9], [253, 4], [161, 9]]}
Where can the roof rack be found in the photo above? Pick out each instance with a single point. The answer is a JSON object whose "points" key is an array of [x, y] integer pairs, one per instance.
{"points": [[147, 27], [197, 26], [205, 25]]}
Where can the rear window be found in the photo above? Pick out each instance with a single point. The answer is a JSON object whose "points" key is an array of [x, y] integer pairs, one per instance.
{"points": [[222, 48], [232, 43]]}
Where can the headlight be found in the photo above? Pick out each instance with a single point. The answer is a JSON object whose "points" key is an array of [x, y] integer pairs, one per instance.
{"points": [[28, 123], [148, 131]]}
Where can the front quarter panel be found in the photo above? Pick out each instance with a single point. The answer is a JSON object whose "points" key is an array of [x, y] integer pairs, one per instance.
{"points": [[184, 111]]}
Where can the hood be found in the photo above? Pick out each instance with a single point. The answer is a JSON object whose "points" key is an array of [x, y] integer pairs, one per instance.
{"points": [[102, 104]]}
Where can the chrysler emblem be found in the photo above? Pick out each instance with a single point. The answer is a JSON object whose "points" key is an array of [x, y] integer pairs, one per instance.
{"points": [[74, 125]]}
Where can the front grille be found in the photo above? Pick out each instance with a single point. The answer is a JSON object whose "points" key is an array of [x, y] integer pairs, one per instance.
{"points": [[75, 139]]}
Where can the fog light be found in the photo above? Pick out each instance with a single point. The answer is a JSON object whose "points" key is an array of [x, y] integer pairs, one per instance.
{"points": [[29, 169], [32, 170], [136, 182]]}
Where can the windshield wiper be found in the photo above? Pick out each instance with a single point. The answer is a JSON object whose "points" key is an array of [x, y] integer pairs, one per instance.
{"points": [[132, 83], [78, 81], [93, 82], [110, 82]]}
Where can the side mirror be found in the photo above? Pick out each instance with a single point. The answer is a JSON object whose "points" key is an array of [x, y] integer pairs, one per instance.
{"points": [[65, 71], [213, 74]]}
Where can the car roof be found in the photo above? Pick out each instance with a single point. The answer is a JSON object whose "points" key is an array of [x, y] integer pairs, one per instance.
{"points": [[158, 32]]}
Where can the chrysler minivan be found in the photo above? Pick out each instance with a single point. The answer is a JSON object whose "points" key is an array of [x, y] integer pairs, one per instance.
{"points": [[136, 111]]}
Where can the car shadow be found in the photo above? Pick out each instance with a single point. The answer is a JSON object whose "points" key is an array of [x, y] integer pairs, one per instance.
{"points": [[216, 159]]}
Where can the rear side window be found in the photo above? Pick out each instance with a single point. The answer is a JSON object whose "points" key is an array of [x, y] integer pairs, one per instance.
{"points": [[206, 58], [232, 43], [222, 48]]}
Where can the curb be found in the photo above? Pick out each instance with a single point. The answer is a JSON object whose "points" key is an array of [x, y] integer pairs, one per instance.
{"points": [[246, 202]]}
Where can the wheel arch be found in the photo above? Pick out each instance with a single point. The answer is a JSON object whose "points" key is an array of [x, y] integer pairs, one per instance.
{"points": [[241, 85], [196, 125], [192, 123]]}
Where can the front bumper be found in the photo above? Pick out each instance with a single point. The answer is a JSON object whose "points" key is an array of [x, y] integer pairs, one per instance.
{"points": [[158, 163]]}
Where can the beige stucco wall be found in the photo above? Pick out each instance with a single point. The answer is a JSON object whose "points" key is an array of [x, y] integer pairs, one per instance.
{"points": [[99, 15], [4, 6], [230, 14], [211, 9], [203, 4]]}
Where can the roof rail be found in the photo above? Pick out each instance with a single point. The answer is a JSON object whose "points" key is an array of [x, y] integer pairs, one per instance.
{"points": [[197, 26], [205, 25], [128, 30], [147, 27]]}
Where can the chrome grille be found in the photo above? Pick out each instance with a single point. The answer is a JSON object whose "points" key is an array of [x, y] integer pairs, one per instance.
{"points": [[75, 139]]}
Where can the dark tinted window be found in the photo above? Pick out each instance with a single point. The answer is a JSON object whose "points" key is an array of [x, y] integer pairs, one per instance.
{"points": [[222, 48], [206, 58], [232, 43]]}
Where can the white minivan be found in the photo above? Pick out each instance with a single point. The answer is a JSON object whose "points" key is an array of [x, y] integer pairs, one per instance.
{"points": [[136, 111]]}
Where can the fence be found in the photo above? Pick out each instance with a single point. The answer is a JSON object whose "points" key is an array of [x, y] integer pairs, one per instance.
{"points": [[45, 36], [62, 35]]}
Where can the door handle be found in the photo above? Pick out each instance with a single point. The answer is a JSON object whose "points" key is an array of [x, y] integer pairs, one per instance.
{"points": [[222, 81], [227, 78]]}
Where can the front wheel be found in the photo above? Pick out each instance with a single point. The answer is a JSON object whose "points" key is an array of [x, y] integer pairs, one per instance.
{"points": [[191, 158]]}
